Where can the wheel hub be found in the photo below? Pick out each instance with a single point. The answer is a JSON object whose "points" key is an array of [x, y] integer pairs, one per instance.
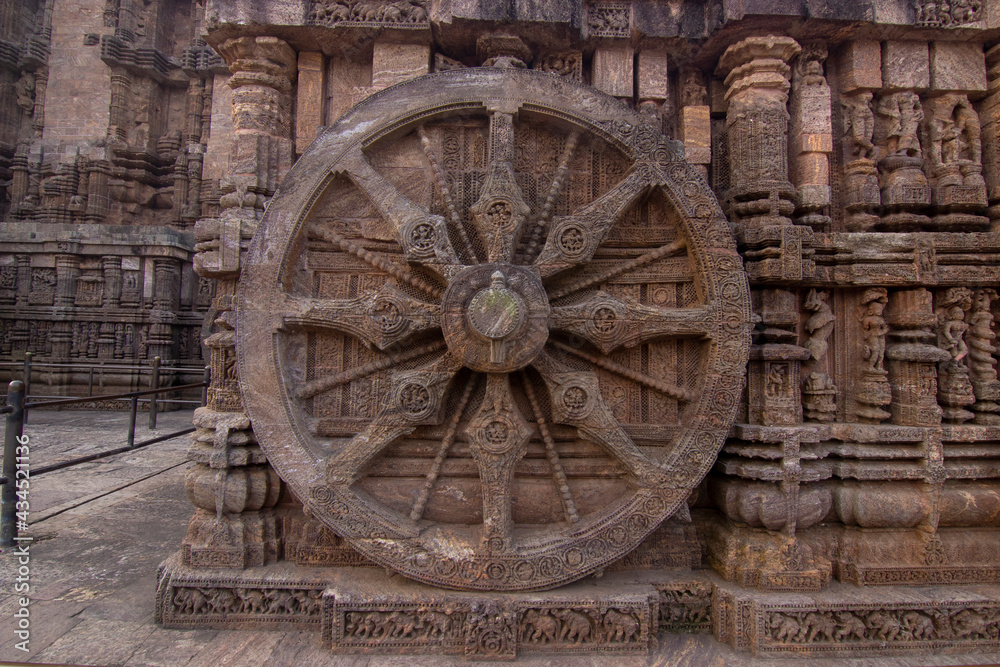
{"points": [[494, 317]]}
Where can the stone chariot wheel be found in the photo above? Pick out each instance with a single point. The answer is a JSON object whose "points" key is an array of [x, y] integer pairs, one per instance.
{"points": [[492, 329]]}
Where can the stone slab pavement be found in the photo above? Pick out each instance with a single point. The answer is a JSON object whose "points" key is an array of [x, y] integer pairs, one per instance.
{"points": [[100, 530]]}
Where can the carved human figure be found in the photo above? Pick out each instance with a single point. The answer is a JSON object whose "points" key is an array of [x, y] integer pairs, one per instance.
{"points": [[819, 326], [874, 328], [24, 90], [951, 322], [904, 114], [859, 125], [693, 93], [775, 385], [810, 65]]}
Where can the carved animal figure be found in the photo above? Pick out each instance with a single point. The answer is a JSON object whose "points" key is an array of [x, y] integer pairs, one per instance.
{"points": [[848, 626], [576, 627], [543, 627], [359, 625], [190, 601], [403, 624], [437, 624], [819, 625], [619, 627], [224, 601], [885, 625], [970, 623], [784, 628], [253, 601], [917, 625]]}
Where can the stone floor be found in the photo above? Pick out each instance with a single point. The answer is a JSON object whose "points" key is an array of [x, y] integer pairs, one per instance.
{"points": [[101, 529]]}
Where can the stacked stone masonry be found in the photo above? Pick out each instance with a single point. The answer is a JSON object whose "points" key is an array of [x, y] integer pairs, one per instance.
{"points": [[593, 320]]}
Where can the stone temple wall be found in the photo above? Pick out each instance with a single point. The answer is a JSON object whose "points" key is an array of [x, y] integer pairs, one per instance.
{"points": [[843, 500], [104, 128]]}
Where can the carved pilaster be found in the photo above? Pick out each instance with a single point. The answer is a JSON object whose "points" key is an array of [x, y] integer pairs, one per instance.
{"points": [[955, 390], [67, 271], [905, 192], [954, 157], [775, 361], [695, 120], [819, 393], [757, 75], [873, 387], [989, 112], [812, 138], [913, 359], [860, 75], [982, 357], [236, 529]]}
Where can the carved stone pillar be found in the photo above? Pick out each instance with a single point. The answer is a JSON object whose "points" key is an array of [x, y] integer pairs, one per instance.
{"points": [[860, 76], [757, 76], [775, 361], [695, 120], [819, 394], [112, 270], [654, 93], [812, 138], [982, 357], [67, 271], [905, 192], [913, 358], [231, 484], [23, 285]]}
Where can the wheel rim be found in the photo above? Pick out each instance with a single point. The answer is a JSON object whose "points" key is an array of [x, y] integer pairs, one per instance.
{"points": [[497, 324]]}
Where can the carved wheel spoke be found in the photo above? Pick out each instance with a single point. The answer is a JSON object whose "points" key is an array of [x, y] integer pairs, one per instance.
{"points": [[576, 400], [498, 438], [422, 235], [454, 427], [381, 319], [416, 397], [574, 239], [609, 323]]}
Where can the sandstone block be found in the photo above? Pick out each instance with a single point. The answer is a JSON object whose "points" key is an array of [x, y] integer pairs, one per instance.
{"points": [[613, 70], [957, 66], [906, 65], [394, 63], [861, 66], [653, 78]]}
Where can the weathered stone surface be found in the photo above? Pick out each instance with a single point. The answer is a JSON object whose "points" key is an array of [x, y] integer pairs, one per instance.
{"points": [[496, 300]]}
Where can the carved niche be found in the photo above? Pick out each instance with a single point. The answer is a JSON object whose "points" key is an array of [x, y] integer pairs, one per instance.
{"points": [[492, 330]]}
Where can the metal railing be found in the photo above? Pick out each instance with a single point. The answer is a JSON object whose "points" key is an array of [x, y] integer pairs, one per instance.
{"points": [[16, 410], [29, 366]]}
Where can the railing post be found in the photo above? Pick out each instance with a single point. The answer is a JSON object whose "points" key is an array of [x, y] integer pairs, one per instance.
{"points": [[154, 383], [207, 379], [27, 380], [90, 382], [8, 495], [131, 425]]}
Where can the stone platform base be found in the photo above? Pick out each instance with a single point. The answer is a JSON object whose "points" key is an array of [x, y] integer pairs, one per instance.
{"points": [[366, 610]]}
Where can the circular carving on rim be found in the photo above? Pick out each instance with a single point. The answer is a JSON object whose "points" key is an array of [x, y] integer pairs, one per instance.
{"points": [[500, 214], [333, 409], [576, 401]]}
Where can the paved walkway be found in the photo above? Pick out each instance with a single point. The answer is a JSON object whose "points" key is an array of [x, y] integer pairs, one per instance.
{"points": [[101, 529]]}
